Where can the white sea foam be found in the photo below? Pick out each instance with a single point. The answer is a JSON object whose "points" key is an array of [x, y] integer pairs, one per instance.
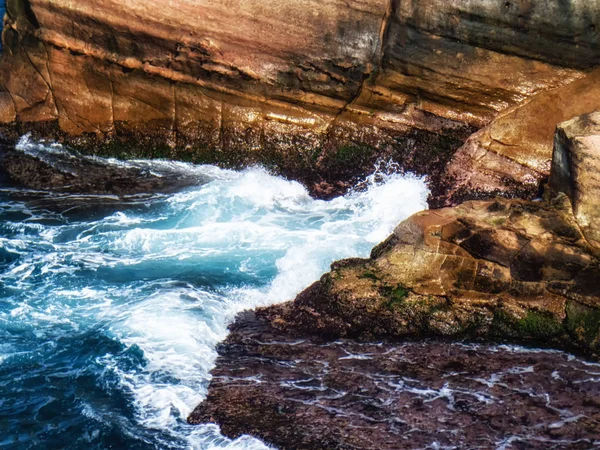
{"points": [[169, 279]]}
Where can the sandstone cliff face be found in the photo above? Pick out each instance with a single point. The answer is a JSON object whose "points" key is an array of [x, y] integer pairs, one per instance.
{"points": [[319, 88]]}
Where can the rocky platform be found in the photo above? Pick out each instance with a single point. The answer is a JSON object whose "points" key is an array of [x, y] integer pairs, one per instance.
{"points": [[306, 393], [513, 271], [315, 90]]}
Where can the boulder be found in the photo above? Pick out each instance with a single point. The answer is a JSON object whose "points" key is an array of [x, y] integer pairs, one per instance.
{"points": [[505, 269], [576, 171]]}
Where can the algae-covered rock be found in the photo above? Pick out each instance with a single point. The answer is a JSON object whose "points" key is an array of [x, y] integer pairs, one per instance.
{"points": [[503, 269]]}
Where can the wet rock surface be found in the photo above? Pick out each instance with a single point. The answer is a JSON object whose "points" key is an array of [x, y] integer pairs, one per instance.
{"points": [[35, 166], [306, 393], [504, 269]]}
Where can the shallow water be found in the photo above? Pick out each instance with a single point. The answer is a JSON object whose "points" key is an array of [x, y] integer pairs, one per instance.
{"points": [[111, 308]]}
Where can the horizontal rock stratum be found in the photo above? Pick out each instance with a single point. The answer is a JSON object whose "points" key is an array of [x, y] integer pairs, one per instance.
{"points": [[319, 90]]}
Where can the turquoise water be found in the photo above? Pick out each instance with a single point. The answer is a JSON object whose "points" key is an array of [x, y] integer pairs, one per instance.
{"points": [[111, 308]]}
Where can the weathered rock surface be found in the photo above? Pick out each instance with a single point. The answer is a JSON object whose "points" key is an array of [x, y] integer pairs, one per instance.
{"points": [[318, 90], [513, 154], [576, 171], [309, 394], [505, 269], [36, 166], [334, 368]]}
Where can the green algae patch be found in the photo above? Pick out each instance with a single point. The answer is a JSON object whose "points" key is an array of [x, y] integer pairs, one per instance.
{"points": [[539, 325], [395, 296], [370, 275], [534, 326], [583, 324]]}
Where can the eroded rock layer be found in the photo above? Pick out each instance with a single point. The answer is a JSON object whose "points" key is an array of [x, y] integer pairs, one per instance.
{"points": [[318, 89]]}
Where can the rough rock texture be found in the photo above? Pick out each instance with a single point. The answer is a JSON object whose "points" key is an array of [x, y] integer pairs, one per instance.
{"points": [[514, 153], [505, 269], [317, 89], [309, 394], [576, 171]]}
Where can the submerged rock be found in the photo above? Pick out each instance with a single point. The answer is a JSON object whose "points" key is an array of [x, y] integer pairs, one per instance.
{"points": [[309, 394], [318, 90]]}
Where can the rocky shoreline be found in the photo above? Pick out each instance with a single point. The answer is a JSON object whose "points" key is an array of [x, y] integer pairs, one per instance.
{"points": [[468, 94], [315, 92], [504, 271]]}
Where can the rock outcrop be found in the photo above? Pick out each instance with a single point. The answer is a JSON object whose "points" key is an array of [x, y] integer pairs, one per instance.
{"points": [[317, 90], [499, 270], [505, 269], [576, 171], [513, 154]]}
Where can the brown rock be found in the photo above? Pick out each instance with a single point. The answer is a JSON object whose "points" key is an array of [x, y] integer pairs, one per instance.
{"points": [[64, 171], [317, 90], [329, 370], [513, 154], [576, 171], [7, 108], [303, 393], [505, 269]]}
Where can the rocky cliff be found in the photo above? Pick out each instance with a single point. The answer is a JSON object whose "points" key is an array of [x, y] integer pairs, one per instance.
{"points": [[318, 90]]}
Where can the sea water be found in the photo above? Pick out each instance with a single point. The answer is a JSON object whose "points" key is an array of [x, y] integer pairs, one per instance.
{"points": [[111, 308]]}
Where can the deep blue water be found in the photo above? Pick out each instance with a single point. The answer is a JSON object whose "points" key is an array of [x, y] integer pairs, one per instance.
{"points": [[110, 309]]}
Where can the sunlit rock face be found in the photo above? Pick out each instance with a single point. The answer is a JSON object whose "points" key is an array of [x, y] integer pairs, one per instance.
{"points": [[320, 89], [506, 269]]}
